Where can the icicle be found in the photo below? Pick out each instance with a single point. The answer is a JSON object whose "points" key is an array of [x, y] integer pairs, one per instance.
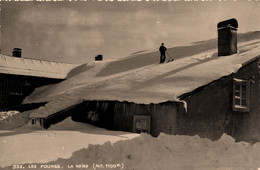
{"points": [[185, 106]]}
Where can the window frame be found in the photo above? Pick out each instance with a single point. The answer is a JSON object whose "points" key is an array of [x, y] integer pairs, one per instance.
{"points": [[241, 83], [142, 120]]}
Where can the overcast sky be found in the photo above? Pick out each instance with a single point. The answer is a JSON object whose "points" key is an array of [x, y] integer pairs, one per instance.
{"points": [[76, 32]]}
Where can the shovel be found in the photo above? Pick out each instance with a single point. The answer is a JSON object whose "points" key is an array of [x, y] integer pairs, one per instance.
{"points": [[171, 59]]}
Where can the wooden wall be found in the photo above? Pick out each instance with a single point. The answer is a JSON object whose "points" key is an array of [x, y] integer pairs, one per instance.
{"points": [[14, 88], [210, 112]]}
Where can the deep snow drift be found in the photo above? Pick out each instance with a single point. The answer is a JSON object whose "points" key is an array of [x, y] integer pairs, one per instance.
{"points": [[141, 153], [169, 152], [6, 114], [70, 143], [15, 120], [25, 145]]}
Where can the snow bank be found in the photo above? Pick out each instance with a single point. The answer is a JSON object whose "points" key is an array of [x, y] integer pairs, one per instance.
{"points": [[27, 145], [170, 152], [74, 143], [15, 121], [69, 124], [7, 114]]}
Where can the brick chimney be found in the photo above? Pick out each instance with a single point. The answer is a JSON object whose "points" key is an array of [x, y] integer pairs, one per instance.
{"points": [[227, 37]]}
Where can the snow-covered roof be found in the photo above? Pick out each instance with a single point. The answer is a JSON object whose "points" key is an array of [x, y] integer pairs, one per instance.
{"points": [[140, 78], [32, 67]]}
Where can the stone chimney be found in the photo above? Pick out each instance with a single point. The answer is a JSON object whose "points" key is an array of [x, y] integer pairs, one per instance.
{"points": [[227, 37]]}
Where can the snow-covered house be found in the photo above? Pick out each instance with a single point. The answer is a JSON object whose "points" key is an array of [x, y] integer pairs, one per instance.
{"points": [[20, 76], [198, 93]]}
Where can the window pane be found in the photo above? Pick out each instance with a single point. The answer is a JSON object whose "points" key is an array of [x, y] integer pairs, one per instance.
{"points": [[237, 94], [237, 87], [243, 88], [244, 95], [237, 102], [243, 102]]}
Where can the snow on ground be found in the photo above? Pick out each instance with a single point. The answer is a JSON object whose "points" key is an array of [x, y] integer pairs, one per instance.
{"points": [[6, 114], [15, 121], [76, 144], [169, 152], [97, 147], [25, 145]]}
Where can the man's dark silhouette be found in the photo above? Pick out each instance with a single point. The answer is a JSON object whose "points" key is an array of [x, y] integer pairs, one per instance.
{"points": [[162, 50]]}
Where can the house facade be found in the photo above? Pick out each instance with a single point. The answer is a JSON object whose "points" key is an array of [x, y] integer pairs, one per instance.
{"points": [[122, 116], [131, 117]]}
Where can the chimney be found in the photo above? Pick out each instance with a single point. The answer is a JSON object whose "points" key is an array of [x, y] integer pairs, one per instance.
{"points": [[227, 37], [99, 57], [17, 52]]}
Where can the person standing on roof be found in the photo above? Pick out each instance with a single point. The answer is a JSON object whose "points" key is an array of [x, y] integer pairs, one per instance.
{"points": [[162, 50]]}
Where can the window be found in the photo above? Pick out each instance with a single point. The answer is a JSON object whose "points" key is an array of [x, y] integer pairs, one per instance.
{"points": [[241, 92], [142, 123]]}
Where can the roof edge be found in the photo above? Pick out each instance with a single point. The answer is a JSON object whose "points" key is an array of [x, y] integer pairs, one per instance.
{"points": [[23, 58], [250, 61], [185, 95], [198, 89]]}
